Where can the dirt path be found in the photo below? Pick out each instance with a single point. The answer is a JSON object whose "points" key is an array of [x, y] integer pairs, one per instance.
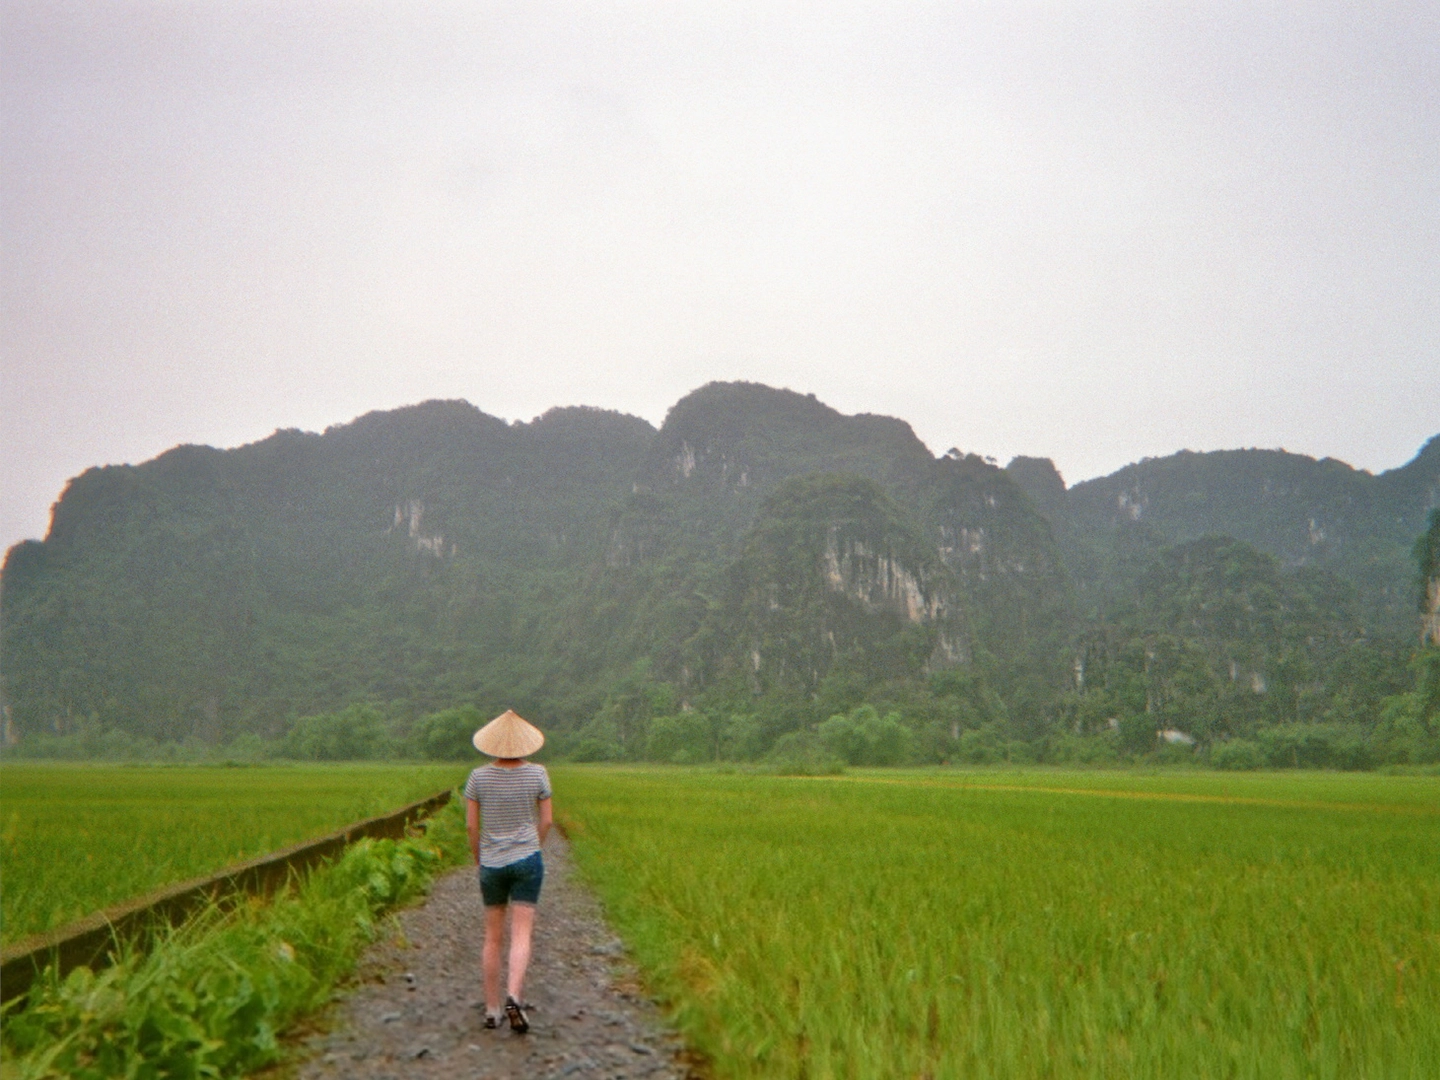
{"points": [[419, 1012]]}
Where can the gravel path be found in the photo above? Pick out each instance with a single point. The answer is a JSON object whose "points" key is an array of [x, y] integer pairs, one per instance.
{"points": [[418, 1010]]}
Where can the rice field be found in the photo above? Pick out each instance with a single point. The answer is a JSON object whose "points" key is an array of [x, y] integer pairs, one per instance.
{"points": [[77, 838], [1038, 923]]}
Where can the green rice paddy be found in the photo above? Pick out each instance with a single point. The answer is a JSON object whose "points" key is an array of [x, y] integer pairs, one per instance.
{"points": [[1028, 924], [905, 923], [77, 838]]}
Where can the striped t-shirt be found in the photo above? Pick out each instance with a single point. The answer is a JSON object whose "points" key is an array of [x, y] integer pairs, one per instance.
{"points": [[507, 799]]}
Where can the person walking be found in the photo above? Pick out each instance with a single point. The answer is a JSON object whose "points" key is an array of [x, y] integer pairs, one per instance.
{"points": [[508, 815]]}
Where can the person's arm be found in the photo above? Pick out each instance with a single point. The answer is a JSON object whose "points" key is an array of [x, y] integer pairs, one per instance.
{"points": [[472, 826], [543, 819]]}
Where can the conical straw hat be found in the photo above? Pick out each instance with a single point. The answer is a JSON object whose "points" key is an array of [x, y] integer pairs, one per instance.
{"points": [[508, 736]]}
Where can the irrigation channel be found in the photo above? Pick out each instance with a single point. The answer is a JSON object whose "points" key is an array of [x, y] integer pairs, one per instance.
{"points": [[91, 940], [419, 1011]]}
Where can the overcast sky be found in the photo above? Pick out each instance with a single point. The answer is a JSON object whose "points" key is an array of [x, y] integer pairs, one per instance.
{"points": [[1092, 232]]}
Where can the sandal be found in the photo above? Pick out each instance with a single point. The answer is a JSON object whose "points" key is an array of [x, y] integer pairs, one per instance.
{"points": [[519, 1022]]}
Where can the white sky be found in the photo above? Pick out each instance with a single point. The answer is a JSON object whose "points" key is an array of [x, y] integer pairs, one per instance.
{"points": [[1092, 232]]}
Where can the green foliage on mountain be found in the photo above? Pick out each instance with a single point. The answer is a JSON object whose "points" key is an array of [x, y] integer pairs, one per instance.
{"points": [[759, 567], [400, 560], [1239, 595], [1220, 641], [1306, 513]]}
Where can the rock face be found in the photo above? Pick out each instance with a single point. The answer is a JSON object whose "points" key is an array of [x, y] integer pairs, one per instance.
{"points": [[1427, 550], [832, 574]]}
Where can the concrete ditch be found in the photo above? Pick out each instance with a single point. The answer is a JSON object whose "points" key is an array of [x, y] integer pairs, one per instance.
{"points": [[92, 940]]}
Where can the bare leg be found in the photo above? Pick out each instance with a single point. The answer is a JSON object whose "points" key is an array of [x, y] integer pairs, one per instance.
{"points": [[494, 930], [522, 922]]}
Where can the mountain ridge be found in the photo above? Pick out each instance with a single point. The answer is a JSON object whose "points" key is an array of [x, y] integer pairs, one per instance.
{"points": [[436, 555]]}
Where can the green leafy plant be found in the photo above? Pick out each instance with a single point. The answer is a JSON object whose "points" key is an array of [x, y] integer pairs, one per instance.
{"points": [[211, 999]]}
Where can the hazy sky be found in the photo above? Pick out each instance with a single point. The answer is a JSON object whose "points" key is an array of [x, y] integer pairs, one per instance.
{"points": [[1091, 231]]}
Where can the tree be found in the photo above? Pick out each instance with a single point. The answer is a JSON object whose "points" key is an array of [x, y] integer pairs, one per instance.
{"points": [[446, 735], [356, 733], [864, 737]]}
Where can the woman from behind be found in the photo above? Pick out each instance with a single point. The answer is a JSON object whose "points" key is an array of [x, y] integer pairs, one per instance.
{"points": [[508, 814]]}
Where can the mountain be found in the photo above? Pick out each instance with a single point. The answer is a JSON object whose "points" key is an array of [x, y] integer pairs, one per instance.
{"points": [[397, 558], [1304, 512], [703, 488], [760, 560]]}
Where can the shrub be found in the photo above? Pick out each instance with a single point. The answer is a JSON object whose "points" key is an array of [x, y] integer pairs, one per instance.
{"points": [[445, 735], [1100, 750], [592, 747], [1316, 746], [982, 746], [1018, 752], [97, 743], [1404, 736], [684, 739], [864, 737], [801, 753], [1167, 753], [1137, 732], [356, 733], [246, 747], [1236, 755], [742, 738]]}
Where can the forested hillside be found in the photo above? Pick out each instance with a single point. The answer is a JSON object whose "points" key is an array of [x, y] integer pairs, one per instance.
{"points": [[399, 559], [1306, 513], [759, 565]]}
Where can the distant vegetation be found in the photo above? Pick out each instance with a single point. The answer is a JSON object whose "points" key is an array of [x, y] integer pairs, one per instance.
{"points": [[1026, 924], [762, 579]]}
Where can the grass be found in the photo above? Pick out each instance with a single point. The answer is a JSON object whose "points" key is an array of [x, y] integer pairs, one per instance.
{"points": [[1038, 923], [76, 838], [210, 999]]}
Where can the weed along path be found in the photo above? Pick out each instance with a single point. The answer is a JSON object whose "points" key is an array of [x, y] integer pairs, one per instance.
{"points": [[418, 1008]]}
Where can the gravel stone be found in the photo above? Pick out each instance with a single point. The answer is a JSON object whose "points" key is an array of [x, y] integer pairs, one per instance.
{"points": [[418, 999]]}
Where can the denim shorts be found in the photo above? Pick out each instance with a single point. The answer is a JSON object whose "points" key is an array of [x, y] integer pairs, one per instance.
{"points": [[518, 882]]}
